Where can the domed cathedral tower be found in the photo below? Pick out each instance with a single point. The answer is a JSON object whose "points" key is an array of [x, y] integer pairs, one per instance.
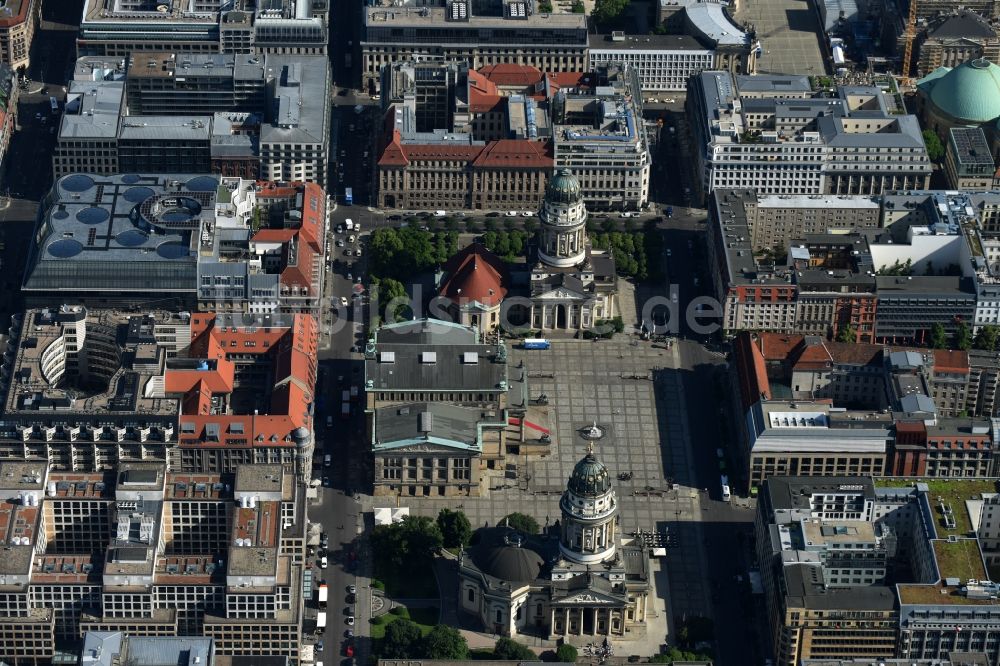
{"points": [[589, 514], [573, 286], [563, 234]]}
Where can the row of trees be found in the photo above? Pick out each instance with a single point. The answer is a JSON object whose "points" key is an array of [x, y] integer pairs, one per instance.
{"points": [[404, 640], [508, 245], [418, 538], [987, 338], [636, 253], [401, 254]]}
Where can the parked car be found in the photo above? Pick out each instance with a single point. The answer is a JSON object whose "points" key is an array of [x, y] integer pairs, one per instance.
{"points": [[511, 213], [439, 213], [343, 302], [324, 562], [350, 620]]}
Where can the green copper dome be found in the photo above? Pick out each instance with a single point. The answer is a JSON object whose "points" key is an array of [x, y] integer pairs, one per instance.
{"points": [[968, 93], [563, 187], [590, 478]]}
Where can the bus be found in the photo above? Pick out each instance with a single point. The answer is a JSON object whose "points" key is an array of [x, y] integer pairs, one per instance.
{"points": [[323, 592], [348, 197], [726, 494], [54, 103], [536, 343]]}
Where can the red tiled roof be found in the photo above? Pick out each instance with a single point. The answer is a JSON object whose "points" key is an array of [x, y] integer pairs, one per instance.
{"points": [[475, 274], [516, 153], [751, 370], [946, 360], [393, 153], [483, 94], [507, 74], [293, 353]]}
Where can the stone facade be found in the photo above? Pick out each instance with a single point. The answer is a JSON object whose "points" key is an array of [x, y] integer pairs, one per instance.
{"points": [[576, 584]]}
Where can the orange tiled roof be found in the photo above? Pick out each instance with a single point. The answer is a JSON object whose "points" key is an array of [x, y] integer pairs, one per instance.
{"points": [[475, 274], [292, 351], [947, 360], [508, 74], [516, 153]]}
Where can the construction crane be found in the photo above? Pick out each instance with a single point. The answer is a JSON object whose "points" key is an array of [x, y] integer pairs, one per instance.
{"points": [[911, 30]]}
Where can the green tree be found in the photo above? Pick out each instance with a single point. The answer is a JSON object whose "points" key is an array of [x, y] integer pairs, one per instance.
{"points": [[414, 538], [566, 653], [388, 290], [847, 334], [578, 7], [609, 225], [963, 337], [490, 224], [935, 150], [444, 642], [522, 522], [938, 338], [509, 650], [987, 338], [402, 640], [606, 11], [455, 527]]}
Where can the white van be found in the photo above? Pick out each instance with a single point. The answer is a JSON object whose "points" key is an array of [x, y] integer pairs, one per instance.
{"points": [[349, 224]]}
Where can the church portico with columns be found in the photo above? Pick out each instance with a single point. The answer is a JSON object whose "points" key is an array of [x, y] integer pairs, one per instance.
{"points": [[572, 285], [576, 582]]}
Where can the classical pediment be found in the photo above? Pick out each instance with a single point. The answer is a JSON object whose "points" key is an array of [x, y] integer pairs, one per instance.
{"points": [[561, 294], [390, 449], [585, 598]]}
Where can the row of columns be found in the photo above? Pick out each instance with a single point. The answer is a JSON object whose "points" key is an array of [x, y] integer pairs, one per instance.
{"points": [[595, 616]]}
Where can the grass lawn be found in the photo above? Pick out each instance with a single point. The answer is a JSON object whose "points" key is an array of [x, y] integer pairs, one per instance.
{"points": [[953, 492], [425, 618], [412, 582]]}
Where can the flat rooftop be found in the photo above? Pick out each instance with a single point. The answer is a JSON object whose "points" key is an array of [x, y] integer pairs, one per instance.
{"points": [[260, 478], [117, 383], [953, 492], [437, 17], [646, 43], [170, 65], [847, 201], [818, 532], [122, 233]]}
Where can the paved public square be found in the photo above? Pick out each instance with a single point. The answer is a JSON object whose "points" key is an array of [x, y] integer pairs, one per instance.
{"points": [[789, 31], [633, 392]]}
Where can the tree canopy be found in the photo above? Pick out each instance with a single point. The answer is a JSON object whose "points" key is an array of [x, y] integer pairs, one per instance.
{"points": [[414, 538], [522, 522], [935, 150], [987, 337], [847, 334], [402, 640], [444, 642], [510, 650], [455, 528], [401, 254], [963, 337], [566, 653], [938, 338]]}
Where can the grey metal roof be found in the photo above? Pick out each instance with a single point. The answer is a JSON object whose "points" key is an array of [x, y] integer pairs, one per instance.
{"points": [[437, 423], [100, 647], [446, 373], [794, 492], [92, 109], [426, 332], [168, 650], [169, 128], [805, 588], [303, 82], [962, 24]]}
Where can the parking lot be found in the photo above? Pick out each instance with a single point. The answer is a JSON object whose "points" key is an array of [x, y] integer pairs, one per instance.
{"points": [[789, 31]]}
